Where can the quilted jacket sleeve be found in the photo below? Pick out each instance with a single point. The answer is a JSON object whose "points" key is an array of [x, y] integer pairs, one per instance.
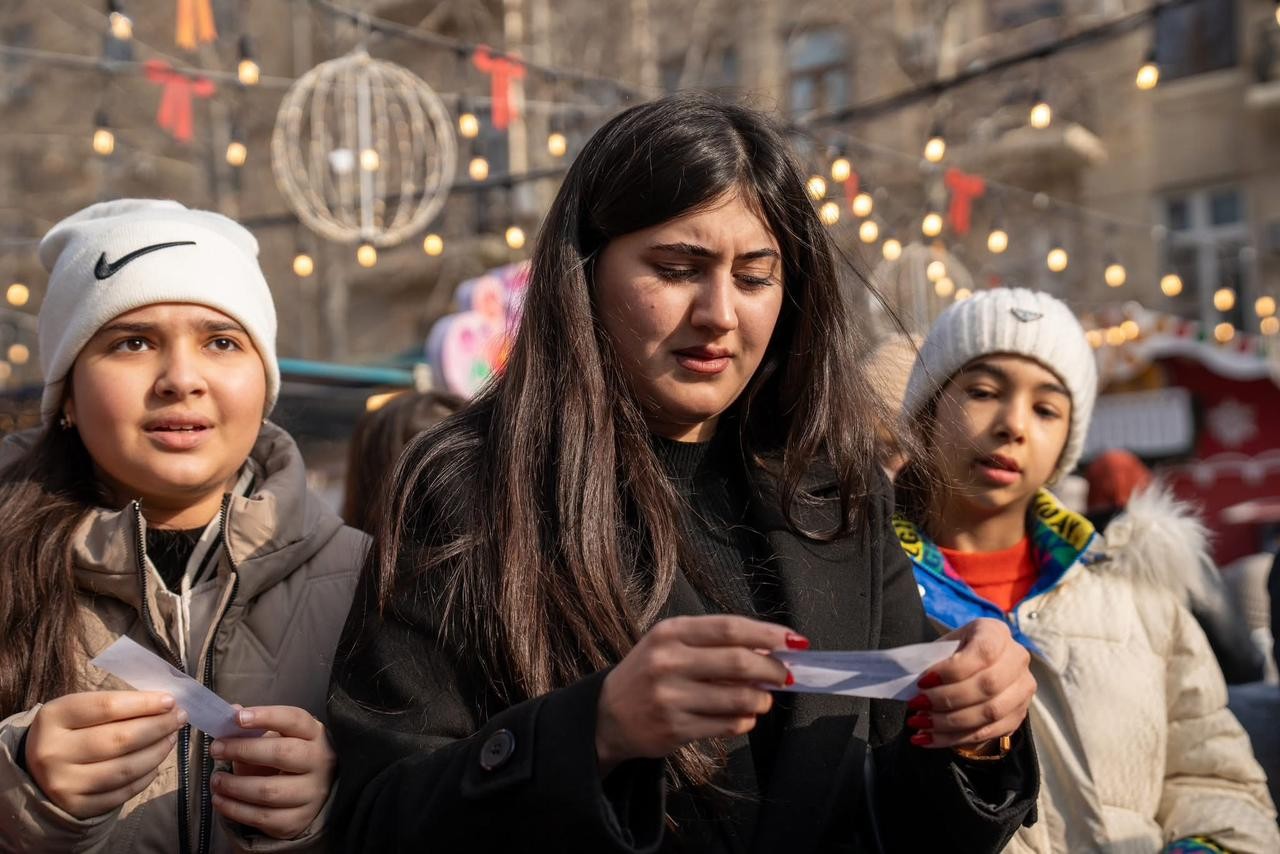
{"points": [[1213, 785]]}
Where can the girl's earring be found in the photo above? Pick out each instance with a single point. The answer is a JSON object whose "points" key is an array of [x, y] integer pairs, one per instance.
{"points": [[65, 422]]}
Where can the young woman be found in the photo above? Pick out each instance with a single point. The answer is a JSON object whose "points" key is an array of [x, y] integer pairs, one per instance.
{"points": [[1137, 748], [560, 640], [158, 503]]}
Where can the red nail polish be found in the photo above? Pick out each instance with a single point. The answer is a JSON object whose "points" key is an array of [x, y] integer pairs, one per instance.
{"points": [[920, 739], [795, 641], [930, 680], [791, 680], [920, 720], [919, 703]]}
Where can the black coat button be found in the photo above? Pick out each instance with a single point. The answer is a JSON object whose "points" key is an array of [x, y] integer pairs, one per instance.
{"points": [[497, 749]]}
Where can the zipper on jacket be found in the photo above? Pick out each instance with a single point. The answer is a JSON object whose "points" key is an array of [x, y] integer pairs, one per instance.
{"points": [[206, 761], [184, 734]]}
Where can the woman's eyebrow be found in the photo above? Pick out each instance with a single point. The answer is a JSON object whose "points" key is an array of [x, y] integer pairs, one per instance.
{"points": [[696, 251]]}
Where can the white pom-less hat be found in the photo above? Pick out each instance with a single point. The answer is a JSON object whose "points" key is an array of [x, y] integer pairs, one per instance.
{"points": [[114, 257], [1018, 322]]}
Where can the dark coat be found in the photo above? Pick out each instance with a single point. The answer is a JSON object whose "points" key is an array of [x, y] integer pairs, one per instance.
{"points": [[421, 770]]}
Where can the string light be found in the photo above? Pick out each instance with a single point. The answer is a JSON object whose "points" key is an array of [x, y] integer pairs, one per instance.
{"points": [[1171, 284], [478, 169], [1041, 113], [1131, 330], [468, 124], [1057, 259], [237, 154], [931, 225], [862, 204], [1149, 72], [936, 148], [892, 249], [1115, 274], [816, 186], [1224, 332], [963, 294], [829, 213], [557, 144], [1224, 299], [104, 141], [433, 245], [369, 160], [121, 24], [19, 354], [366, 255], [18, 294], [515, 237], [944, 287], [303, 265], [997, 240], [1265, 306], [1270, 325], [935, 271], [247, 71], [841, 169], [869, 231], [1115, 336], [1094, 337]]}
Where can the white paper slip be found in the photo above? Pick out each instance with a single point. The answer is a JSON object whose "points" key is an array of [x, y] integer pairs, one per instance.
{"points": [[889, 674], [147, 671]]}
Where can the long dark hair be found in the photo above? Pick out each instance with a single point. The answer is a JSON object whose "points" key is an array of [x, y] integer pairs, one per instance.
{"points": [[43, 496], [539, 519]]}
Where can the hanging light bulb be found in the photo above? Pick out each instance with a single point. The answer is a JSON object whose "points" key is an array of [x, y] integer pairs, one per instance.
{"points": [[1224, 299], [366, 255], [816, 186], [303, 264], [1149, 72], [121, 24], [104, 141], [944, 287], [247, 71], [1265, 306], [237, 154], [862, 204], [997, 240], [19, 354], [1041, 113], [1057, 259], [1131, 330], [478, 169], [869, 231], [1171, 284], [829, 213], [892, 249], [1224, 332], [557, 145], [841, 169], [433, 245], [963, 294], [515, 237], [370, 161], [468, 124], [18, 295], [936, 148], [935, 271], [931, 225], [1269, 325], [1115, 274]]}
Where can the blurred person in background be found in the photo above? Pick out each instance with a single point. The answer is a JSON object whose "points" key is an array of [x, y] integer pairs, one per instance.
{"points": [[1117, 477], [1138, 751], [157, 503], [379, 438]]}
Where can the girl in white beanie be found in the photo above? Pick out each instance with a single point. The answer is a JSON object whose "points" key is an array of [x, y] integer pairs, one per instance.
{"points": [[1137, 749], [157, 502]]}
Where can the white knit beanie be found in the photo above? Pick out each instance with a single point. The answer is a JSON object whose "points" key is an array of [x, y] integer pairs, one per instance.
{"points": [[1012, 321], [114, 257]]}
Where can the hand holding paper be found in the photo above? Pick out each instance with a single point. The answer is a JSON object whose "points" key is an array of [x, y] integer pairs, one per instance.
{"points": [[885, 674]]}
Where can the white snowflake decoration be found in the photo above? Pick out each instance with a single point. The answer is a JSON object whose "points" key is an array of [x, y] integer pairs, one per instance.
{"points": [[1233, 423]]}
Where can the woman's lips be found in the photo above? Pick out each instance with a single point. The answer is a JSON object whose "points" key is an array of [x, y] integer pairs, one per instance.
{"points": [[998, 470], [178, 436], [703, 360]]}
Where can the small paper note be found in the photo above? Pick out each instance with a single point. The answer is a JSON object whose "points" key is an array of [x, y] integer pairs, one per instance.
{"points": [[147, 671], [889, 674]]}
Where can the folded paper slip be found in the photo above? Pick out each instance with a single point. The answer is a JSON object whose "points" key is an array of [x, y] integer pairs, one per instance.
{"points": [[889, 674]]}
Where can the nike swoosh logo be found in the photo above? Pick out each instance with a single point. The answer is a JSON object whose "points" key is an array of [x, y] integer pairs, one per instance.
{"points": [[104, 270]]}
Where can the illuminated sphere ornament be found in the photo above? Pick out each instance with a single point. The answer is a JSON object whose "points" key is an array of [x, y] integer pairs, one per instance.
{"points": [[869, 232], [19, 354], [935, 149], [18, 294], [841, 169], [1270, 325], [433, 245], [303, 265], [1057, 259], [931, 225], [997, 241], [1148, 76], [515, 237], [1131, 329], [1265, 306], [1224, 332], [1171, 284], [1115, 336], [353, 107], [862, 204], [469, 125], [478, 169], [237, 154], [1094, 337], [829, 213], [892, 249], [104, 142], [935, 271], [248, 72], [1224, 299], [121, 26], [1115, 274], [366, 255], [944, 287], [1041, 115], [557, 145], [817, 187]]}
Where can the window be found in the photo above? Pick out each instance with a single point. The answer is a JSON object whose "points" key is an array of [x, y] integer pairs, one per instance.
{"points": [[1207, 244], [1007, 14], [1196, 38], [817, 64]]}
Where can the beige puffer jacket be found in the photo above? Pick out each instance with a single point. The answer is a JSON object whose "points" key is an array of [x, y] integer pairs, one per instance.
{"points": [[262, 630]]}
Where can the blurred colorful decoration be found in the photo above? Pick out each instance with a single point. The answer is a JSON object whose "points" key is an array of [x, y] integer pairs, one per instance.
{"points": [[964, 189], [502, 71], [363, 151], [195, 24], [175, 113], [466, 348]]}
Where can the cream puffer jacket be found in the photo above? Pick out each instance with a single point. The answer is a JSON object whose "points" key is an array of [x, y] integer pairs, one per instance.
{"points": [[261, 631], [1136, 746]]}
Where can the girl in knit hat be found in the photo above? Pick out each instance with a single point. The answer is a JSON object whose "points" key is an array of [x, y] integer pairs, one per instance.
{"points": [[157, 502], [1137, 749]]}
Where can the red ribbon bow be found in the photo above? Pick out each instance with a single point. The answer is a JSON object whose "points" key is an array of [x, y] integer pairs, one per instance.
{"points": [[175, 113], [502, 71], [964, 189]]}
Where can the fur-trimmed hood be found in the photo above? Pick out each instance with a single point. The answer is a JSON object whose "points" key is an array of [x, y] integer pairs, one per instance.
{"points": [[1162, 542]]}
